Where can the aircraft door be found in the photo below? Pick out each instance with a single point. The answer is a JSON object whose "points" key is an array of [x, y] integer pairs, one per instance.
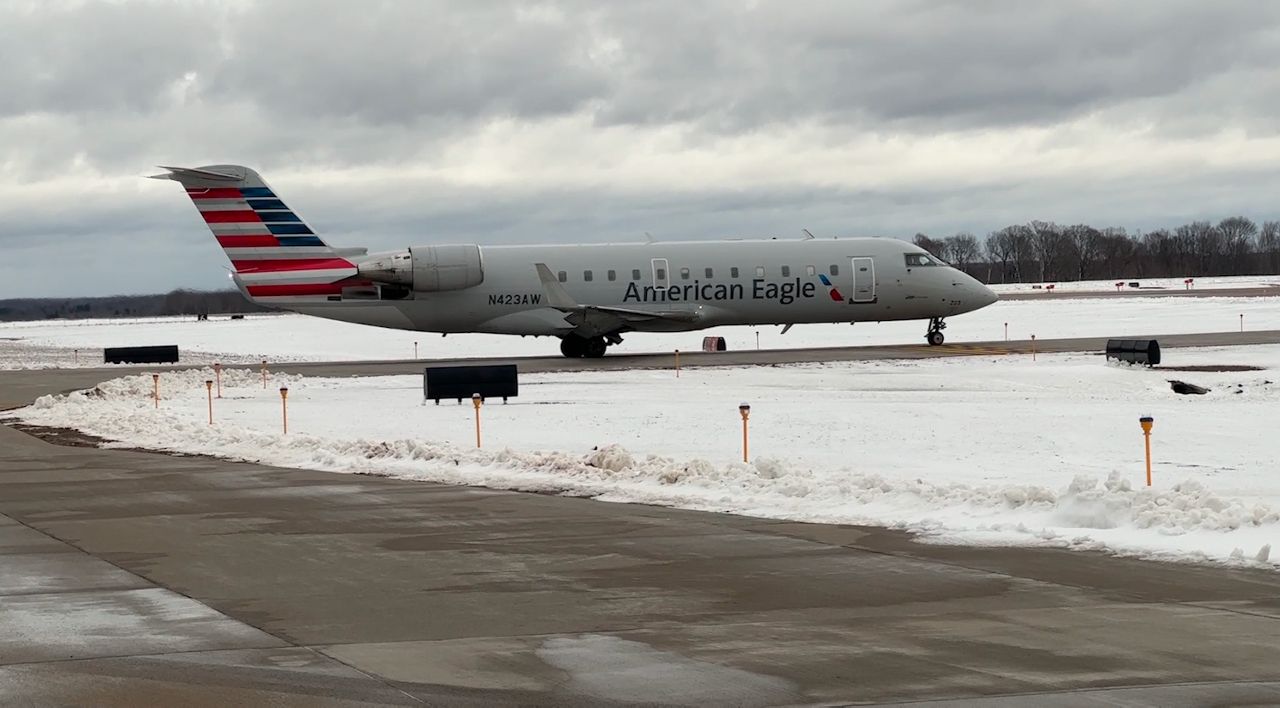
{"points": [[864, 279], [661, 274]]}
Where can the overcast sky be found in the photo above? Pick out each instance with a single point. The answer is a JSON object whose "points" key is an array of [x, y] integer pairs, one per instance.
{"points": [[387, 124]]}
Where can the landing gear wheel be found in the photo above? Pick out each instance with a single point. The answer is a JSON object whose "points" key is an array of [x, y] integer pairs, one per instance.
{"points": [[934, 335], [573, 346], [595, 348]]}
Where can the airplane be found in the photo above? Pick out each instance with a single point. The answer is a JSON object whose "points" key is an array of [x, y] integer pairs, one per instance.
{"points": [[587, 295]]}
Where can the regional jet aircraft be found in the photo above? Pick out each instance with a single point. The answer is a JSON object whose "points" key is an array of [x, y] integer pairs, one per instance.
{"points": [[587, 295]]}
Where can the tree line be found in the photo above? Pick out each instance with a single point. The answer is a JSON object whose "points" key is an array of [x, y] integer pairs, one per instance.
{"points": [[1042, 251], [177, 302]]}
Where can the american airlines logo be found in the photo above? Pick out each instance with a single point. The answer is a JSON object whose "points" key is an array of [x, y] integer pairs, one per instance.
{"points": [[783, 293]]}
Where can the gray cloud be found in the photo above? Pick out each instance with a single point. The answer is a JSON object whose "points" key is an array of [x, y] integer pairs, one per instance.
{"points": [[396, 122]]}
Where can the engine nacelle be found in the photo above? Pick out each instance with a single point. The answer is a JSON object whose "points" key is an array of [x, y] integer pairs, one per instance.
{"points": [[426, 269]]}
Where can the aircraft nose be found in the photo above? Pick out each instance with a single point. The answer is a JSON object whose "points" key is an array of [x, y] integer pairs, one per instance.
{"points": [[986, 295], [975, 295]]}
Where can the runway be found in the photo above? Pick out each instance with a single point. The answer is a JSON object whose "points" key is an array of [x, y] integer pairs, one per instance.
{"points": [[138, 578]]}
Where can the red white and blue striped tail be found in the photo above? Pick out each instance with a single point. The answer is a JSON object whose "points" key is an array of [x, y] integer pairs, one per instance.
{"points": [[276, 257]]}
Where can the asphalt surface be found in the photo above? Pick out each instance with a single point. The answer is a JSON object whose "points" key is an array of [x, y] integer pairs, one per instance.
{"points": [[133, 578]]}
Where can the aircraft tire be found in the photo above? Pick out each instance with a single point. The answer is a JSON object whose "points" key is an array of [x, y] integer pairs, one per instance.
{"points": [[935, 338], [596, 347], [573, 346]]}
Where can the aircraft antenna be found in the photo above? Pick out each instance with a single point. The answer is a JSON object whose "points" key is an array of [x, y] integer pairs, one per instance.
{"points": [[807, 235]]}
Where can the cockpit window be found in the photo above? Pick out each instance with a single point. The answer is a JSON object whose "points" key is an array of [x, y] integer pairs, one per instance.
{"points": [[921, 260]]}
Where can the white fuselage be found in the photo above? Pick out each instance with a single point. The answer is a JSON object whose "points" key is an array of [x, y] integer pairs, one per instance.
{"points": [[693, 284]]}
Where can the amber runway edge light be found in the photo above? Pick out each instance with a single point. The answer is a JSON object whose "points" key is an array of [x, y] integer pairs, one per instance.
{"points": [[1147, 422], [208, 387], [745, 410], [284, 409], [477, 401]]}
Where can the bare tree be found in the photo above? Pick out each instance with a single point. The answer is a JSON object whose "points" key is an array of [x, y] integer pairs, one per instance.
{"points": [[1207, 246], [1238, 234], [1269, 246], [1047, 245], [1085, 242], [962, 250], [936, 246], [1186, 247], [1161, 248], [1020, 246], [1116, 253], [999, 250]]}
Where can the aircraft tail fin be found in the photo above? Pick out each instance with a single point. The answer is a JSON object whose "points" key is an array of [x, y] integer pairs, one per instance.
{"points": [[275, 256]]}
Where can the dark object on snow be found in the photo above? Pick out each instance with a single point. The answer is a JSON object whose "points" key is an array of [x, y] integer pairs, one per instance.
{"points": [[1187, 389], [167, 354], [461, 381], [1134, 351], [713, 344]]}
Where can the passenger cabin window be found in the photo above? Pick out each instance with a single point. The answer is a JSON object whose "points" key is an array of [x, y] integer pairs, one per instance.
{"points": [[921, 260], [586, 276], [613, 275], [786, 271], [835, 269], [684, 273], [810, 270], [733, 272], [709, 273], [564, 277], [759, 271], [635, 273]]}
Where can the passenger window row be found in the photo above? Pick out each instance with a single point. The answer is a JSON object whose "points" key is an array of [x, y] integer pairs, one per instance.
{"points": [[685, 273]]}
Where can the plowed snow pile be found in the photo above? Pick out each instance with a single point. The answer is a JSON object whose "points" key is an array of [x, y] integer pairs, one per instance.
{"points": [[989, 450]]}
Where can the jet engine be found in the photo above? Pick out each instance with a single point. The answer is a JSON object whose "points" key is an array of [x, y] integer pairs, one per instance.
{"points": [[426, 269]]}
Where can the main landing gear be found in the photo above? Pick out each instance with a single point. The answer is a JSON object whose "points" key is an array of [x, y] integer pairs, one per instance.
{"points": [[934, 335], [576, 347]]}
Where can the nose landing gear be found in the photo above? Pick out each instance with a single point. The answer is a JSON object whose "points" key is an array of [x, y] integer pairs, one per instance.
{"points": [[934, 336]]}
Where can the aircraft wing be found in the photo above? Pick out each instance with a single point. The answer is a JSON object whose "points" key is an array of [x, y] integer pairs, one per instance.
{"points": [[560, 299]]}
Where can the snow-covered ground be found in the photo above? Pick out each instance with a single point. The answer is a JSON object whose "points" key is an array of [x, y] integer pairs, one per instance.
{"points": [[989, 450], [1209, 283], [300, 338]]}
